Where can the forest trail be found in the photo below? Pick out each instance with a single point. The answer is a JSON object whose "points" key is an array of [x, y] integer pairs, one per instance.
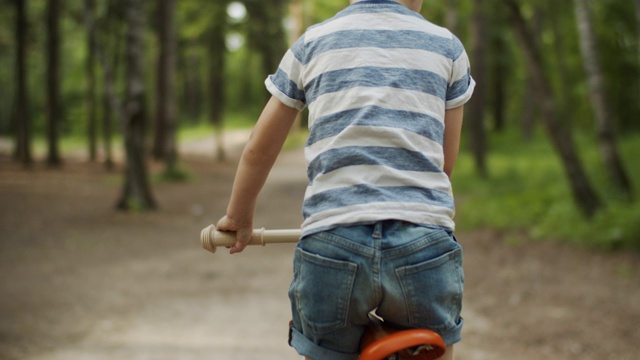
{"points": [[81, 281]]}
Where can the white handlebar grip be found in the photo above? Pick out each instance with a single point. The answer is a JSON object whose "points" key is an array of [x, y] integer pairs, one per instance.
{"points": [[212, 238]]}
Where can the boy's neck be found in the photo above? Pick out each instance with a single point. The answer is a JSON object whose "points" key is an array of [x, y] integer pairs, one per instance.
{"points": [[414, 5]]}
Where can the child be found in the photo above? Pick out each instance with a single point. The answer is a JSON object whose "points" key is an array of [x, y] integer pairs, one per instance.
{"points": [[385, 90]]}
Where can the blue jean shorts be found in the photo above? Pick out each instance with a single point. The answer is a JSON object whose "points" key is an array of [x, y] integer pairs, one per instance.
{"points": [[409, 275]]}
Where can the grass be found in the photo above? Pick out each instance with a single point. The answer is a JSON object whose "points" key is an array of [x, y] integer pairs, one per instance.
{"points": [[527, 190]]}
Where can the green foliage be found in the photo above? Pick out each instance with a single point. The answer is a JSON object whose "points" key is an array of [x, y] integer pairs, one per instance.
{"points": [[319, 11], [527, 191], [244, 78]]}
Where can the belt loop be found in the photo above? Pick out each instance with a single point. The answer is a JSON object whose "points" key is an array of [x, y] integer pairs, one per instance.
{"points": [[377, 230]]}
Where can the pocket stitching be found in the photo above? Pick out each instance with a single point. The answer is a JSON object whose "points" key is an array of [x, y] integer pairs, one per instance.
{"points": [[403, 272], [341, 314]]}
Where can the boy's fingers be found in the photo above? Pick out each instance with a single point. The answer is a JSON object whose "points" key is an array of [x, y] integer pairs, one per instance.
{"points": [[243, 236], [238, 247]]}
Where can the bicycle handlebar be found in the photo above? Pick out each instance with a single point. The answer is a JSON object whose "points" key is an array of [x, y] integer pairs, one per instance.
{"points": [[212, 238]]}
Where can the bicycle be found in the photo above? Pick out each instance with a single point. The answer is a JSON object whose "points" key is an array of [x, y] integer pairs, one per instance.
{"points": [[380, 341]]}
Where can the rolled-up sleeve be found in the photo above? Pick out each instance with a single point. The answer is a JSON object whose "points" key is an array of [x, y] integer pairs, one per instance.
{"points": [[286, 83], [461, 84]]}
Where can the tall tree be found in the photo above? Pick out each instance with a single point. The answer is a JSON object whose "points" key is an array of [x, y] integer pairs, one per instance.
{"points": [[529, 110], [477, 105], [561, 137], [638, 28], [561, 55], [92, 128], [217, 53], [166, 121], [603, 114], [53, 81], [22, 118], [266, 33], [499, 72], [189, 65], [136, 193], [108, 42]]}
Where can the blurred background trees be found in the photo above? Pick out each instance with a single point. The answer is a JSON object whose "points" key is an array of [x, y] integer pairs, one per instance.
{"points": [[566, 75]]}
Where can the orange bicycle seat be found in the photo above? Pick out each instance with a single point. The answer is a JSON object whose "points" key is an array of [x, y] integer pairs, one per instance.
{"points": [[382, 342]]}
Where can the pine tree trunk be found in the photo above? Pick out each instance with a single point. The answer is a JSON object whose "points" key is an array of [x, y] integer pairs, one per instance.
{"points": [[111, 105], [166, 121], [217, 51], [266, 33], [561, 138], [530, 113], [92, 128], [110, 102], [136, 193], [53, 81], [638, 28], [22, 150], [170, 75], [477, 105], [599, 101], [500, 71]]}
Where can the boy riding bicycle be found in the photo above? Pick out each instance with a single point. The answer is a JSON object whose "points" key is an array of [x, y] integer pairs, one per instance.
{"points": [[385, 90]]}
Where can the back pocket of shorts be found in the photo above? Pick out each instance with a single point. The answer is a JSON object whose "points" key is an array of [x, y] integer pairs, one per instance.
{"points": [[323, 290], [433, 290]]}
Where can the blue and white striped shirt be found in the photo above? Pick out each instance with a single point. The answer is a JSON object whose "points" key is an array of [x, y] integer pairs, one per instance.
{"points": [[377, 78]]}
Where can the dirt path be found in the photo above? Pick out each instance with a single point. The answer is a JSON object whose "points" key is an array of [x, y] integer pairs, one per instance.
{"points": [[80, 281]]}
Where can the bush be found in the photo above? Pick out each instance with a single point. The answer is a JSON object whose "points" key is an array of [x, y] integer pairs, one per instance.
{"points": [[527, 190]]}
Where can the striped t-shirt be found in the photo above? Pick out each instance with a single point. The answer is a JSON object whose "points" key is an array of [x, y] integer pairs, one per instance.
{"points": [[377, 78]]}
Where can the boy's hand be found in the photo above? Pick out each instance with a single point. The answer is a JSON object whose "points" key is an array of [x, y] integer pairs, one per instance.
{"points": [[243, 233]]}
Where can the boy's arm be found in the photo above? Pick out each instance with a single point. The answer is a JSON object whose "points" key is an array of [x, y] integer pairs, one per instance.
{"points": [[258, 157], [452, 131]]}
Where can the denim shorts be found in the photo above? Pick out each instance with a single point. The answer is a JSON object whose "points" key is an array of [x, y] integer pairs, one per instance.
{"points": [[410, 275]]}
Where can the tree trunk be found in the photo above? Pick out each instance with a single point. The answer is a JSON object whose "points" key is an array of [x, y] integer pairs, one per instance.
{"points": [[110, 29], [164, 144], [111, 105], [499, 68], [117, 33], [165, 139], [477, 105], [217, 51], [108, 98], [191, 100], [136, 193], [53, 81], [92, 128], [529, 111], [638, 28], [266, 33], [584, 195], [603, 114], [500, 72], [554, 17], [22, 151]]}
